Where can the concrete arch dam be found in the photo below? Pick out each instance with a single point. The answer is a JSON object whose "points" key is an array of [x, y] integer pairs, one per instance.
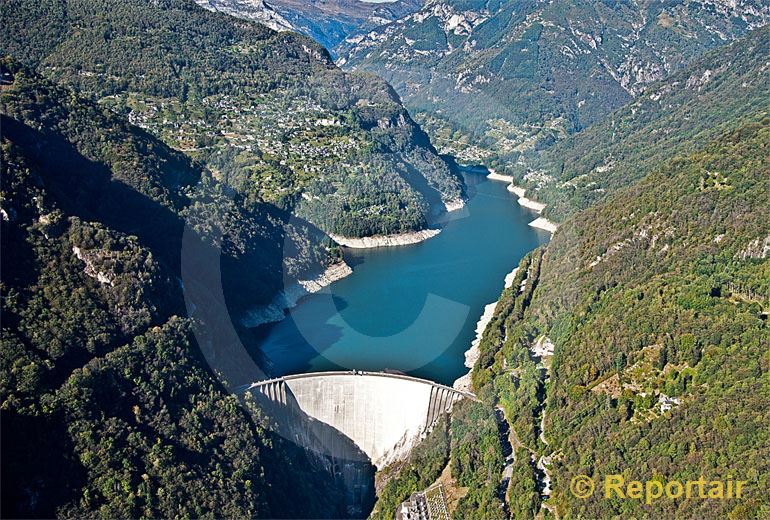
{"points": [[383, 414]]}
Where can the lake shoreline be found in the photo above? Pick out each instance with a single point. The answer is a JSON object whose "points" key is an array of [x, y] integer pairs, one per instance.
{"points": [[290, 296], [325, 338], [494, 176], [398, 239], [544, 224], [463, 382], [541, 223], [454, 205], [534, 205]]}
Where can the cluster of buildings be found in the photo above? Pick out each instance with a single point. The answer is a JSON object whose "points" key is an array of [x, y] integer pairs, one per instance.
{"points": [[426, 505], [292, 130]]}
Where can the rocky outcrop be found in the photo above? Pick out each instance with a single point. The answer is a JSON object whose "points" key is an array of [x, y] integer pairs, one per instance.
{"points": [[454, 205], [494, 176], [90, 258], [757, 249], [524, 201], [539, 223], [256, 10]]}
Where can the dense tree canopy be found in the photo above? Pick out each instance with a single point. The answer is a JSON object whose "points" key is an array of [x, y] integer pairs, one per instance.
{"points": [[107, 406]]}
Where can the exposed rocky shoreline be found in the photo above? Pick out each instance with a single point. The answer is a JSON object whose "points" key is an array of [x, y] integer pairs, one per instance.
{"points": [[463, 383], [544, 224], [275, 311], [494, 176], [472, 354], [454, 205], [400, 239], [290, 296], [524, 201], [538, 207]]}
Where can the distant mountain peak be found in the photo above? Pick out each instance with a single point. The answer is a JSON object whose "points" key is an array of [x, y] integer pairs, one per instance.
{"points": [[327, 21], [515, 76], [256, 10]]}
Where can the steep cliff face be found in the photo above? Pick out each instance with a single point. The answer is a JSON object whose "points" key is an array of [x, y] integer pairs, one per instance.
{"points": [[681, 113], [330, 22], [519, 75], [256, 10], [327, 22]]}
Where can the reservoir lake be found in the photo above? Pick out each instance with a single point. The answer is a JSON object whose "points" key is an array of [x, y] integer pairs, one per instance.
{"points": [[411, 308]]}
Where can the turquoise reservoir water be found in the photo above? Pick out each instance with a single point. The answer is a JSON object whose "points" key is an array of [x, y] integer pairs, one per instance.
{"points": [[411, 308]]}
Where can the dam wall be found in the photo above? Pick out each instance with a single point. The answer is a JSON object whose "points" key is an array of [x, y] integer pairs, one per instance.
{"points": [[383, 414]]}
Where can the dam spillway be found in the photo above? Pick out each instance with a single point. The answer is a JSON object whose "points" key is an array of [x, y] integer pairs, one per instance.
{"points": [[383, 414]]}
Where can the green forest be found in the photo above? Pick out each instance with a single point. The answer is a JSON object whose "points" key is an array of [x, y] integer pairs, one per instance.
{"points": [[107, 406], [654, 293], [268, 113], [634, 343], [664, 297]]}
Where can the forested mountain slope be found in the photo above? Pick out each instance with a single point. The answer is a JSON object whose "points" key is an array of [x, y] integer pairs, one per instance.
{"points": [[267, 112], [518, 75], [108, 408], [662, 301], [680, 114], [635, 343]]}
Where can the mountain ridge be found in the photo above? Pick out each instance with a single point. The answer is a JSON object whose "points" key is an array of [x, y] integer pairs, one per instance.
{"points": [[328, 22], [493, 80], [269, 113], [682, 111]]}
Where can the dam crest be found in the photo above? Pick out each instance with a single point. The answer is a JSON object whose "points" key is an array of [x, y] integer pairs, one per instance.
{"points": [[383, 414]]}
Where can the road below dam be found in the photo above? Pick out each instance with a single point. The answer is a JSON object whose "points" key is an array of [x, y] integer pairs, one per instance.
{"points": [[411, 309]]}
